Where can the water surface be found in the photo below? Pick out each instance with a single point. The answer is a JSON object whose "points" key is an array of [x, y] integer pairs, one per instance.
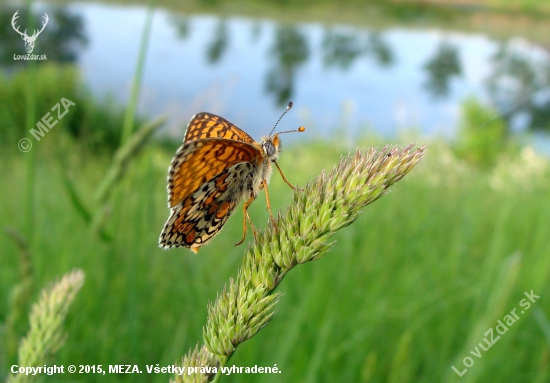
{"points": [[248, 69]]}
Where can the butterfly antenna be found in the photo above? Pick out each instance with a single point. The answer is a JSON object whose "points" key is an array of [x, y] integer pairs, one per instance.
{"points": [[300, 129], [288, 107]]}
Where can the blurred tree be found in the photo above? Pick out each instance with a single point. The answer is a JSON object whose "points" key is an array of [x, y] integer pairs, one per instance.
{"points": [[182, 25], [291, 51], [341, 49], [441, 68], [381, 49], [482, 133], [520, 86], [255, 31], [219, 44]]}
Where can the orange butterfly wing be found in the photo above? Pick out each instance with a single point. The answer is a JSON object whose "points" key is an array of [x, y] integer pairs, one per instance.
{"points": [[200, 216], [207, 125], [199, 161]]}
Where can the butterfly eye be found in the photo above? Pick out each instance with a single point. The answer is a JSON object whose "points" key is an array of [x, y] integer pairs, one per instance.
{"points": [[269, 148]]}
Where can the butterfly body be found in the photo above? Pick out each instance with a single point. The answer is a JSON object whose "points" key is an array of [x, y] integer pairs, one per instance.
{"points": [[217, 166]]}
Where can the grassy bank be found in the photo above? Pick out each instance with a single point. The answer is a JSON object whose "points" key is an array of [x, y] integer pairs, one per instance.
{"points": [[501, 19], [406, 293]]}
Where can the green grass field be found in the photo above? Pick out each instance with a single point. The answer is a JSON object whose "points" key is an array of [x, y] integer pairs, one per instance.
{"points": [[408, 291]]}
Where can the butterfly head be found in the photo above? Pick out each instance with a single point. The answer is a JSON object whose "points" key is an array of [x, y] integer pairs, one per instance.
{"points": [[271, 145]]}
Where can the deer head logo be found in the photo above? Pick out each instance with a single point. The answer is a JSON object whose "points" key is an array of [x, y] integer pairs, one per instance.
{"points": [[29, 40]]}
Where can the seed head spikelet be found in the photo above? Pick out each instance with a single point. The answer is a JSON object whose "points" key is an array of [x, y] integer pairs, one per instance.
{"points": [[330, 202]]}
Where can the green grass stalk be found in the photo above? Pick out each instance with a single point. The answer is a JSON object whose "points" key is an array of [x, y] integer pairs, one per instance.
{"points": [[325, 206], [30, 121], [19, 297], [46, 335], [136, 83], [20, 294], [118, 169]]}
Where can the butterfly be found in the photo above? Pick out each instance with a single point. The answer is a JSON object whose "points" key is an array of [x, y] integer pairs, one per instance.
{"points": [[217, 166]]}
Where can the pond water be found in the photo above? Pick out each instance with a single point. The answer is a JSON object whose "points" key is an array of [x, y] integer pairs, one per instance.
{"points": [[248, 69]]}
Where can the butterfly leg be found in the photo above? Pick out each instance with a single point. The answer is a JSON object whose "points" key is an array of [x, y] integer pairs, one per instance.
{"points": [[245, 217], [284, 178], [264, 185]]}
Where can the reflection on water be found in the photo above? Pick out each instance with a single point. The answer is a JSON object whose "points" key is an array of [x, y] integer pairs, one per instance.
{"points": [[289, 51], [247, 69], [441, 68], [219, 44], [341, 49], [182, 25], [520, 85]]}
